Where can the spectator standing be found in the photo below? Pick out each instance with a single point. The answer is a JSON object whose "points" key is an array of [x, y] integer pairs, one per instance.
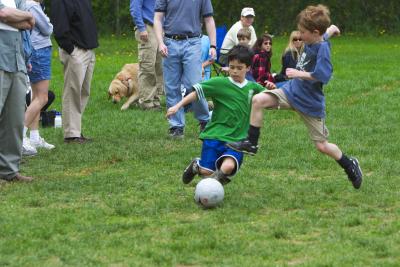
{"points": [[13, 87], [39, 76], [181, 48], [76, 34], [150, 60], [246, 20]]}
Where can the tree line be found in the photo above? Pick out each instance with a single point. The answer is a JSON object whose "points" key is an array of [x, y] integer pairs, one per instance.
{"points": [[274, 16]]}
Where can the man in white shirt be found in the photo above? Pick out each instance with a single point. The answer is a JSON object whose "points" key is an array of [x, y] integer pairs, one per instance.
{"points": [[230, 40]]}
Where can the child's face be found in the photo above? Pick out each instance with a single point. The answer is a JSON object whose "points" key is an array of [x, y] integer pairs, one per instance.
{"points": [[244, 41], [309, 37], [237, 70], [266, 45]]}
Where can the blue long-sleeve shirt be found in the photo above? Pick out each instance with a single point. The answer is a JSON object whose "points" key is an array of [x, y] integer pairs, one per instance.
{"points": [[40, 34], [142, 12]]}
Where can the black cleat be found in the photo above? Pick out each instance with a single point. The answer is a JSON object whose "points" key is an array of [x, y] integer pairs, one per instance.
{"points": [[354, 173], [190, 172], [243, 146]]}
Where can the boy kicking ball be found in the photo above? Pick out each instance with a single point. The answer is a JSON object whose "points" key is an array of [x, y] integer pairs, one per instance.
{"points": [[303, 93], [230, 120]]}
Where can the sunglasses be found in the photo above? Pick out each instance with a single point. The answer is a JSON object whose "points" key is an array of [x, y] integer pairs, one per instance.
{"points": [[267, 43], [297, 39]]}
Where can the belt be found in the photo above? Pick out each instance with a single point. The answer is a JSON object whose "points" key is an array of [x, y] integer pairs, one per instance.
{"points": [[181, 36], [147, 22]]}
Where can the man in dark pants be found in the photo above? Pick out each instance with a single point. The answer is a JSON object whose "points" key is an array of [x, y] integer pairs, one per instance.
{"points": [[76, 34], [13, 86]]}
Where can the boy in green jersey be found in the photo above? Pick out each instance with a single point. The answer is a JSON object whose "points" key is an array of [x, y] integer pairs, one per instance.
{"points": [[230, 119]]}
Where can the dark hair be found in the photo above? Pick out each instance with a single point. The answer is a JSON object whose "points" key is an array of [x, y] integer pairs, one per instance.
{"points": [[241, 53], [258, 44]]}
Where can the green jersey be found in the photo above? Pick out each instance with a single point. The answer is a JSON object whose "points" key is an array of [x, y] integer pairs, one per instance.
{"points": [[232, 105]]}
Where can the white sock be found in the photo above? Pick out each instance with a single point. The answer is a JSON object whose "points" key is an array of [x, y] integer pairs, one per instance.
{"points": [[25, 131], [34, 135]]}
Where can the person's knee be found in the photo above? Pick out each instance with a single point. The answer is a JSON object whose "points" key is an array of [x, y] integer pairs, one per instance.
{"points": [[262, 101], [228, 166], [321, 146]]}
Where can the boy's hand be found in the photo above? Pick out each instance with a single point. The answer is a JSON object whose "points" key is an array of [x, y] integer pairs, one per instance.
{"points": [[333, 31], [171, 111], [292, 73], [270, 85]]}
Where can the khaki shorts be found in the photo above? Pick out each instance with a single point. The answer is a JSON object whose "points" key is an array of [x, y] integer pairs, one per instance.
{"points": [[316, 126]]}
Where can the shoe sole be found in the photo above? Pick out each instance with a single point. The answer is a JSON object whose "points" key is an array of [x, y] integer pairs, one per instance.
{"points": [[176, 137], [242, 151], [190, 166], [361, 178]]}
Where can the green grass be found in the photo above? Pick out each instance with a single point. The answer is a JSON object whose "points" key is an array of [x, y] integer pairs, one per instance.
{"points": [[119, 201]]}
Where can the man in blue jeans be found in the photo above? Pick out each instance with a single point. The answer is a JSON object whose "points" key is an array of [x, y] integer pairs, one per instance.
{"points": [[181, 48]]}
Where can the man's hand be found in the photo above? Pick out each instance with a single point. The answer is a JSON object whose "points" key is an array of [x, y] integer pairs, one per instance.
{"points": [[29, 67], [213, 53], [144, 36], [163, 50]]}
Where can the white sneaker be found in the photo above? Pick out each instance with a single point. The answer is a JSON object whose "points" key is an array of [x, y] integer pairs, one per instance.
{"points": [[41, 143], [27, 148]]}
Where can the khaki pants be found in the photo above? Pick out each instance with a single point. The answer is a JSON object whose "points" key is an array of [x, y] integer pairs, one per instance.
{"points": [[78, 72], [13, 88], [150, 69]]}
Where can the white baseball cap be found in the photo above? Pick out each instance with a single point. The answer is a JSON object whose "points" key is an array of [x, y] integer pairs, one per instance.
{"points": [[248, 11]]}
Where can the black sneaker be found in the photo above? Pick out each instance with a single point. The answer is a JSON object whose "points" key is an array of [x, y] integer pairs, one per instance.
{"points": [[176, 132], [354, 173], [243, 146], [190, 172], [202, 125]]}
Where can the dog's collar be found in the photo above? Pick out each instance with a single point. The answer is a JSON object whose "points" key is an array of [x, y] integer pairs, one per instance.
{"points": [[129, 88]]}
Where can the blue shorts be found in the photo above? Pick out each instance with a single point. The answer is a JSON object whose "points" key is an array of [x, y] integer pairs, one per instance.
{"points": [[41, 65], [213, 153]]}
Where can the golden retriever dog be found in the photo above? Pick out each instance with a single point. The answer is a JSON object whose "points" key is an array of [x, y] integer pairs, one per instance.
{"points": [[125, 84]]}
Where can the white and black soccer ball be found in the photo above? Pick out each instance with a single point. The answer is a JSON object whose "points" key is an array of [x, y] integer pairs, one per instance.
{"points": [[209, 193]]}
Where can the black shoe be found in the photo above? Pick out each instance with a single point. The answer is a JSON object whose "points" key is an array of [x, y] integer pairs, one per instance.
{"points": [[202, 125], [77, 140], [354, 173], [243, 146], [176, 132], [190, 172]]}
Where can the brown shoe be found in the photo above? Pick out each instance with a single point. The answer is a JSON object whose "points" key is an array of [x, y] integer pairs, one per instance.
{"points": [[20, 178], [77, 140]]}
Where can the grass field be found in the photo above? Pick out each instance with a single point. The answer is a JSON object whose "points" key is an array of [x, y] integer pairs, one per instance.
{"points": [[119, 201]]}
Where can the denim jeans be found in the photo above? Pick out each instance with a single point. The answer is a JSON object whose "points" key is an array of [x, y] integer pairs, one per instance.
{"points": [[183, 66]]}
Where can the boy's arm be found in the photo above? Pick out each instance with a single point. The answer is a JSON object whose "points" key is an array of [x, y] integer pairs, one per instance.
{"points": [[186, 100]]}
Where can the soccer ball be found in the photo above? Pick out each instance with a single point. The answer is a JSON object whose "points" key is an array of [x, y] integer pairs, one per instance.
{"points": [[209, 193]]}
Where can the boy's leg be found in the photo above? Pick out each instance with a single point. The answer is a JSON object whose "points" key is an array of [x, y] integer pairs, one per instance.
{"points": [[319, 134], [268, 99], [227, 165], [205, 166], [349, 164]]}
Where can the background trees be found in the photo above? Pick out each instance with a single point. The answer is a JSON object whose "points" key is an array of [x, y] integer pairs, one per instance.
{"points": [[274, 16]]}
